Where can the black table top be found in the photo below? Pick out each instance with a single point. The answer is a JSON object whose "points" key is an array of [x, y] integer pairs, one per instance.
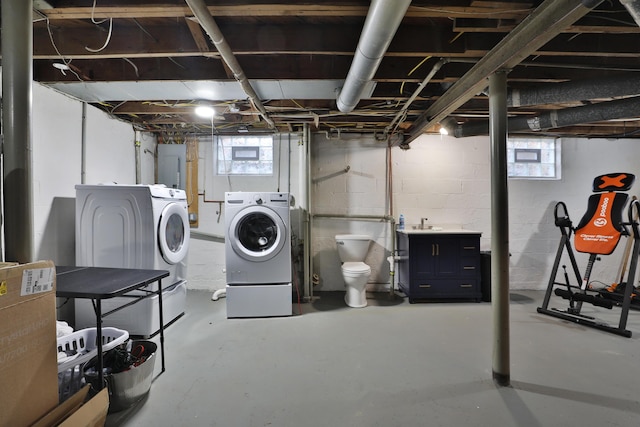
{"points": [[102, 282]]}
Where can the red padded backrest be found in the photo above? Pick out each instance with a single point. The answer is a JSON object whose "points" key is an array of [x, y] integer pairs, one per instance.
{"points": [[600, 228]]}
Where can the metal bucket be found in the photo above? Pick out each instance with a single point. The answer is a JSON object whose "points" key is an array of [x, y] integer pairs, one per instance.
{"points": [[127, 387]]}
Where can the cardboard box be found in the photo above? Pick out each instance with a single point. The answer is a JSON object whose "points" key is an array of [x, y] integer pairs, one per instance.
{"points": [[74, 412], [28, 353]]}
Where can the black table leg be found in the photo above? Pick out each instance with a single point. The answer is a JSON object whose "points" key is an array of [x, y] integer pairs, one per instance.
{"points": [[161, 321], [99, 343]]}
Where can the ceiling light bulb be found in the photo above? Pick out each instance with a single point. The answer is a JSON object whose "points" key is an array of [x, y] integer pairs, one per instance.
{"points": [[448, 126], [205, 111]]}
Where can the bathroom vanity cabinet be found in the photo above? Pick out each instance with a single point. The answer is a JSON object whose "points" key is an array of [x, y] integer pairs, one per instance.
{"points": [[439, 265]]}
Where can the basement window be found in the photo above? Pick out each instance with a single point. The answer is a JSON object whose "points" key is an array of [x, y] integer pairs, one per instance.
{"points": [[245, 162], [533, 158], [244, 155]]}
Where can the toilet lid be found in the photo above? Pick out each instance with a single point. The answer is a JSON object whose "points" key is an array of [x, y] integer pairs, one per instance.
{"points": [[356, 267]]}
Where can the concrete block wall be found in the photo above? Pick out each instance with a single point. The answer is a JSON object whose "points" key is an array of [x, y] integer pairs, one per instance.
{"points": [[348, 178], [448, 181]]}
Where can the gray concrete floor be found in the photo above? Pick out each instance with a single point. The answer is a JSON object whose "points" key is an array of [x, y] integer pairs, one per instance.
{"points": [[390, 364]]}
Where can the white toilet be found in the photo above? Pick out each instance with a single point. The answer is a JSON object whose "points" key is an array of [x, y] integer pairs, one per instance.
{"points": [[352, 250]]}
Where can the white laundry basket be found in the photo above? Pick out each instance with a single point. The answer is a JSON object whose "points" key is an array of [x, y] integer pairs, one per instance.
{"points": [[80, 347]]}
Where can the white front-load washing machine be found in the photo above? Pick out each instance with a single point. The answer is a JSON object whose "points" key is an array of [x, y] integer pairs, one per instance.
{"points": [[258, 254], [134, 226]]}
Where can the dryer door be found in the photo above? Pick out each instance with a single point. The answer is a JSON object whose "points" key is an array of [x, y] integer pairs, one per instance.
{"points": [[257, 233], [173, 233]]}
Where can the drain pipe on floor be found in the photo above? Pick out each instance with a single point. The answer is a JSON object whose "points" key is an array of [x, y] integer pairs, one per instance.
{"points": [[211, 238]]}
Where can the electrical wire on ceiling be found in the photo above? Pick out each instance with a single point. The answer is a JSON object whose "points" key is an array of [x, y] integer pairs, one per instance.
{"points": [[133, 65], [66, 64], [106, 43], [177, 63], [412, 71]]}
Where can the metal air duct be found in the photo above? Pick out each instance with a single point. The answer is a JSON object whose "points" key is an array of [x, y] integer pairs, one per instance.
{"points": [[381, 24], [633, 6], [610, 87], [201, 12], [603, 111]]}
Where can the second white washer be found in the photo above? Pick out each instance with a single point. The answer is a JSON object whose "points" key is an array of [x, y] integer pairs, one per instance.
{"points": [[258, 254], [258, 239]]}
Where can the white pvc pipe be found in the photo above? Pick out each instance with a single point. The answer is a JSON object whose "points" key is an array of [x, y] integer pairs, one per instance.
{"points": [[219, 293], [392, 262]]}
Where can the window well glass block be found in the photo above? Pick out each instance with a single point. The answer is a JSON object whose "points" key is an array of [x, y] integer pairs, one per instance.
{"points": [[533, 158], [244, 155]]}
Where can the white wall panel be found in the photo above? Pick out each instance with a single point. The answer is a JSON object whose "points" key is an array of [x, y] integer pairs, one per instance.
{"points": [[110, 149], [56, 136]]}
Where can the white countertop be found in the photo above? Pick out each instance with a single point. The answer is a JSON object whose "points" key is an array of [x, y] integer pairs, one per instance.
{"points": [[438, 230]]}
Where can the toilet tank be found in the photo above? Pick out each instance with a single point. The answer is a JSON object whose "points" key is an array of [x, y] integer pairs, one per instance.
{"points": [[352, 247]]}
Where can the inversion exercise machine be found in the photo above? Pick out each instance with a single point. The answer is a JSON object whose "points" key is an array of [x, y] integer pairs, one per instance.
{"points": [[598, 233]]}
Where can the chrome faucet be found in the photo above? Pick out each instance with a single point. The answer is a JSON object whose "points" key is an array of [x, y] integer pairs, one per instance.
{"points": [[422, 221]]}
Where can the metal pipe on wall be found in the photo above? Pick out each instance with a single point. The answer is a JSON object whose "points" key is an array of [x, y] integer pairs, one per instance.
{"points": [[308, 262], [392, 224], [499, 226], [83, 146], [137, 149], [358, 217], [17, 76]]}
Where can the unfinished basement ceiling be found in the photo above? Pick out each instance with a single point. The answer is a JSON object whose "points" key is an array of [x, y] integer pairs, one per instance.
{"points": [[149, 61]]}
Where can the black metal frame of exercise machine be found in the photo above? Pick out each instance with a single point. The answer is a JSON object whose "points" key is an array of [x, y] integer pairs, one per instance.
{"points": [[577, 295]]}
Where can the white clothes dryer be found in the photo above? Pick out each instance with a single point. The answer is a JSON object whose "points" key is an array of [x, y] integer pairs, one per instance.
{"points": [[258, 254], [134, 226]]}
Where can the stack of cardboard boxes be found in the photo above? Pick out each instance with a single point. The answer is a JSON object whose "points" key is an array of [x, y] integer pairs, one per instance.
{"points": [[28, 353]]}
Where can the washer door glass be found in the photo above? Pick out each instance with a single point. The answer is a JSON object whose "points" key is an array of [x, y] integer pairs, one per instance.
{"points": [[173, 233], [258, 233]]}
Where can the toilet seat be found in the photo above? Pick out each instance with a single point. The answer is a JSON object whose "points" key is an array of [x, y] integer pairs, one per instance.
{"points": [[355, 268]]}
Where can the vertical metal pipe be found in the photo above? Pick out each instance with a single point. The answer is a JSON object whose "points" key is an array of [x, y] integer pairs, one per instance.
{"points": [[83, 146], [17, 74], [137, 138], [308, 262], [499, 226]]}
